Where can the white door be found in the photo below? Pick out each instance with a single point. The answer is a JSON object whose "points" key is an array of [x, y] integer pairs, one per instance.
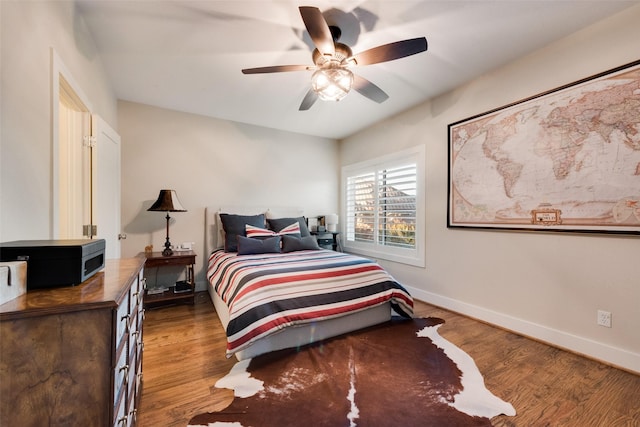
{"points": [[106, 185]]}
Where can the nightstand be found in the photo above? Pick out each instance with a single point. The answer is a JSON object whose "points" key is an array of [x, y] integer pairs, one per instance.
{"points": [[170, 296], [327, 239]]}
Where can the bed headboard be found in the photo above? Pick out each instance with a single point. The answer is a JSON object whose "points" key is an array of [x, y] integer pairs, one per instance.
{"points": [[213, 237]]}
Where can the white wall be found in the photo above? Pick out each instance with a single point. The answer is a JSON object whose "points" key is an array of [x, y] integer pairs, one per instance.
{"points": [[28, 31], [211, 162], [549, 286]]}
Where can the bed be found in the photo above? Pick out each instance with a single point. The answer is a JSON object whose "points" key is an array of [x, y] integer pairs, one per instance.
{"points": [[289, 304]]}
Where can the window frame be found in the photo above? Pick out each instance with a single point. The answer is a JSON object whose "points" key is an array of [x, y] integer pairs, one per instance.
{"points": [[412, 256]]}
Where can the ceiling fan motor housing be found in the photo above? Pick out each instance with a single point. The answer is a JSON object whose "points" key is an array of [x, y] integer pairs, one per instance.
{"points": [[342, 52]]}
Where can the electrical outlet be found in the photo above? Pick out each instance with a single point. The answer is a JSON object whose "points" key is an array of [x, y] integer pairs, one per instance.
{"points": [[604, 318]]}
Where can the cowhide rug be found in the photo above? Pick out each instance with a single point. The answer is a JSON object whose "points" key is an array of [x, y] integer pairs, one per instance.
{"points": [[400, 373]]}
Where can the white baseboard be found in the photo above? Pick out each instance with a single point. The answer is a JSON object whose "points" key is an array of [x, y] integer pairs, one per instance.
{"points": [[201, 286], [614, 356]]}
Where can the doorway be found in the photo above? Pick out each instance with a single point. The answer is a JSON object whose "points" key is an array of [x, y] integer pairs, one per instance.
{"points": [[75, 159]]}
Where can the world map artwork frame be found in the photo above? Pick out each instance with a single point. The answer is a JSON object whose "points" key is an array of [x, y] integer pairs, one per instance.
{"points": [[564, 160]]}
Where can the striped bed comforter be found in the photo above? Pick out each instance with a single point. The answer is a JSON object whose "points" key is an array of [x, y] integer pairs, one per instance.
{"points": [[268, 292]]}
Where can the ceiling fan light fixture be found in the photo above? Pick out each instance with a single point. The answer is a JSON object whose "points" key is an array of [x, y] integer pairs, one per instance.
{"points": [[333, 80], [332, 83]]}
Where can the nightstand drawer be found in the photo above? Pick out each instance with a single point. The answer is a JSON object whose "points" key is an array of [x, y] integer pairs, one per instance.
{"points": [[160, 261]]}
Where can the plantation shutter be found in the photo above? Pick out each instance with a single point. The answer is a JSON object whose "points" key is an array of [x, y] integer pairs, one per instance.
{"points": [[361, 207], [397, 206], [381, 206]]}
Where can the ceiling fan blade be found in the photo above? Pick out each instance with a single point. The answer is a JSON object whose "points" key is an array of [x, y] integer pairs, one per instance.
{"points": [[276, 69], [318, 29], [391, 51], [368, 89], [309, 99]]}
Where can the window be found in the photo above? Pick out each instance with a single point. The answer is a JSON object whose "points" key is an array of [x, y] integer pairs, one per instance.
{"points": [[383, 207]]}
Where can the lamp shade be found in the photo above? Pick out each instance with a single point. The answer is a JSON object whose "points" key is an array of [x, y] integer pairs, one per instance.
{"points": [[167, 202], [331, 222]]}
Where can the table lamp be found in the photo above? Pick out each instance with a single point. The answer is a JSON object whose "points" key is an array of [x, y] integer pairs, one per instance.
{"points": [[331, 221], [167, 202]]}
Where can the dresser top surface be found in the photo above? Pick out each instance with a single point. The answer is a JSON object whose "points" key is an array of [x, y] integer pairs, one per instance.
{"points": [[107, 288]]}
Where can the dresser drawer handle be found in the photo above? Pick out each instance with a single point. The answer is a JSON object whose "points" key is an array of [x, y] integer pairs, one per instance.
{"points": [[125, 368], [133, 414], [123, 421]]}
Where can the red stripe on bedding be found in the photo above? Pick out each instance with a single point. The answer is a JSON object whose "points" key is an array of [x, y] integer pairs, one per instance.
{"points": [[303, 277]]}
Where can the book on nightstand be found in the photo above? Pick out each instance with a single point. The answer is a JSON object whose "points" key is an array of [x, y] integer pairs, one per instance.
{"points": [[182, 287], [156, 291]]}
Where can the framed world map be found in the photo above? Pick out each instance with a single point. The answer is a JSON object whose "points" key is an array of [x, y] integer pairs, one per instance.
{"points": [[564, 160]]}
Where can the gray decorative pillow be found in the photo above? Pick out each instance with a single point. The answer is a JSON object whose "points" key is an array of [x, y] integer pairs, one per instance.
{"points": [[277, 224], [292, 244], [234, 226], [249, 246]]}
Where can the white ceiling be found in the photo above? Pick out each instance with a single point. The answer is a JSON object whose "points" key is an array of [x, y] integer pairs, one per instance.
{"points": [[187, 55]]}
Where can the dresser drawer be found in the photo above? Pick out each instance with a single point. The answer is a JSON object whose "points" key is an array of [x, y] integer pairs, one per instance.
{"points": [[120, 374], [135, 300], [120, 418], [132, 414], [135, 331], [139, 374], [132, 381], [136, 292], [122, 321]]}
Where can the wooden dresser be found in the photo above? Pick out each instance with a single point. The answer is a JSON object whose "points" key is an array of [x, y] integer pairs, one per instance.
{"points": [[72, 356]]}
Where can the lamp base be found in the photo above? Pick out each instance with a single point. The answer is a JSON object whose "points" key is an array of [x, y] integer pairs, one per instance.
{"points": [[167, 244], [167, 252]]}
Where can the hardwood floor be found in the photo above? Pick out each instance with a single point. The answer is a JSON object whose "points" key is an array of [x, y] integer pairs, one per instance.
{"points": [[184, 357]]}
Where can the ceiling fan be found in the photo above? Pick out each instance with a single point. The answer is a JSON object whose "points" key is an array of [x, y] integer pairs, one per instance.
{"points": [[332, 78]]}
